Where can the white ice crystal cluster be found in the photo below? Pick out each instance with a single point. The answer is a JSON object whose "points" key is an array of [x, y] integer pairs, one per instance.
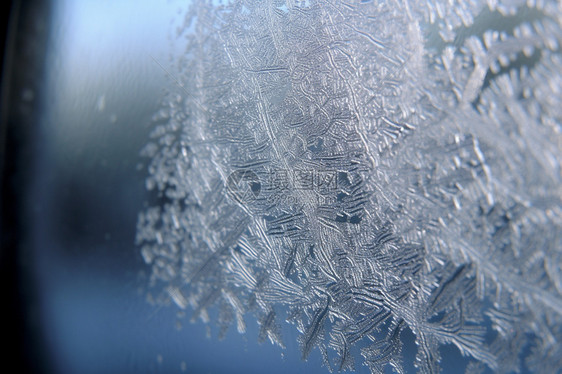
{"points": [[362, 168]]}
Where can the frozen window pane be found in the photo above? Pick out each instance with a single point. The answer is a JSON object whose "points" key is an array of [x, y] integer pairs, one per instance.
{"points": [[361, 169]]}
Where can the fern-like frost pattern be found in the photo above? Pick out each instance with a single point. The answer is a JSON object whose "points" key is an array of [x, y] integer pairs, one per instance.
{"points": [[362, 168]]}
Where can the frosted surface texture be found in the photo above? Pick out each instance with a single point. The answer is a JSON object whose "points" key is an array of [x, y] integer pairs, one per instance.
{"points": [[360, 168]]}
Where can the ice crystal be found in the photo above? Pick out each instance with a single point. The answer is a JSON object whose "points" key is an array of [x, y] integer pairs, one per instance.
{"points": [[359, 168]]}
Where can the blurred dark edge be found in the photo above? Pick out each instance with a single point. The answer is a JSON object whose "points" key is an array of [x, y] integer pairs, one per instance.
{"points": [[25, 34]]}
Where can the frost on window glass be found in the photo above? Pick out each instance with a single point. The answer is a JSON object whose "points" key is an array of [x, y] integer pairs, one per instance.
{"points": [[362, 168]]}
